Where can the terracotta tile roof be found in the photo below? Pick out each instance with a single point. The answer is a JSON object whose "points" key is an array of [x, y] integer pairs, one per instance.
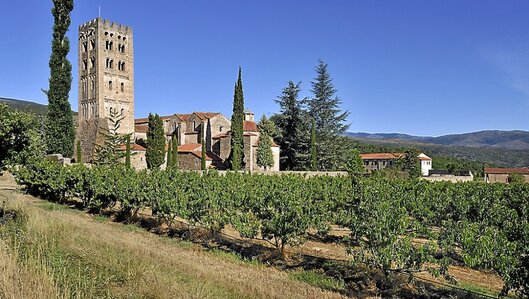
{"points": [[206, 115], [183, 117], [249, 125], [133, 147], [145, 120], [490, 170], [189, 147], [140, 128], [141, 120], [382, 156], [423, 157]]}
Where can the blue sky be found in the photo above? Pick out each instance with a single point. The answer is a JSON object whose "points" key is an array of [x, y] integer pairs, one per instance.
{"points": [[416, 67]]}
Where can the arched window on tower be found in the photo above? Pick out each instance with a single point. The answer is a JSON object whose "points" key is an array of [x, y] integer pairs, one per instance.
{"points": [[92, 62], [110, 85], [85, 46], [85, 64], [108, 45], [122, 86]]}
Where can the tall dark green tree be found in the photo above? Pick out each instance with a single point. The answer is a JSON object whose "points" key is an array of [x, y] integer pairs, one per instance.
{"points": [[313, 148], [169, 164], [293, 125], [411, 163], [237, 121], [324, 107], [127, 151], [155, 154], [265, 157], [174, 151], [60, 133], [203, 156]]}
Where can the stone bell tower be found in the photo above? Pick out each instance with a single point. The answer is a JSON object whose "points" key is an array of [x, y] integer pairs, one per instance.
{"points": [[106, 81]]}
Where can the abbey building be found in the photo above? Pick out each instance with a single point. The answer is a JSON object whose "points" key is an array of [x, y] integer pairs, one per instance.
{"points": [[106, 90]]}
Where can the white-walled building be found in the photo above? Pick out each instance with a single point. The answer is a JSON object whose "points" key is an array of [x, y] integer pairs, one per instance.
{"points": [[426, 164]]}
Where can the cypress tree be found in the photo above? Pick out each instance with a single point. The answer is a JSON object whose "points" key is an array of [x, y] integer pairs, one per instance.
{"points": [[265, 157], [155, 154], [412, 164], [60, 134], [127, 151], [237, 120], [169, 164], [330, 121], [203, 156], [174, 151], [78, 157], [313, 149]]}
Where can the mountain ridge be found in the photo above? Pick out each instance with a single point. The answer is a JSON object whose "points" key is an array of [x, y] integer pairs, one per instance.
{"points": [[501, 139]]}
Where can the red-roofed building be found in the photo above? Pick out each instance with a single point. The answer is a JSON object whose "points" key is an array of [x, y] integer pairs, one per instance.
{"points": [[214, 129], [501, 175], [379, 161]]}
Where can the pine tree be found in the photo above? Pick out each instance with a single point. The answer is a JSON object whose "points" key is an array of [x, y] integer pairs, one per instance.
{"points": [[127, 151], [294, 131], [237, 120], [265, 157], [330, 121], [155, 154], [60, 134], [313, 149]]}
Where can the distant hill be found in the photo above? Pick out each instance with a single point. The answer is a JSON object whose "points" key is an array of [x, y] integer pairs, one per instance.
{"points": [[515, 140], [27, 106]]}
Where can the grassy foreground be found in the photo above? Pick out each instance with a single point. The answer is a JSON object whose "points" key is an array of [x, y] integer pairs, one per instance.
{"points": [[48, 251]]}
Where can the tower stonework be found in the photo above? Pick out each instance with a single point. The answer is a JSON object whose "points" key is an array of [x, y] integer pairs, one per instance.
{"points": [[106, 81]]}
